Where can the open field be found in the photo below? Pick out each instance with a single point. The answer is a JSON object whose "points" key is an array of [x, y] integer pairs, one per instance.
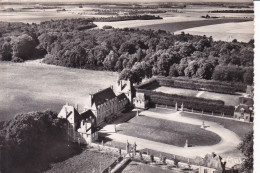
{"points": [[169, 132], [35, 87], [134, 167], [243, 31], [239, 128], [173, 27], [140, 23], [228, 99], [87, 161]]}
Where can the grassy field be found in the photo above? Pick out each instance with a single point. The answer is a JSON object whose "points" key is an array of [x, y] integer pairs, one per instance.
{"points": [[35, 87], [87, 161], [134, 167], [228, 99], [168, 132], [240, 128], [243, 31], [173, 27]]}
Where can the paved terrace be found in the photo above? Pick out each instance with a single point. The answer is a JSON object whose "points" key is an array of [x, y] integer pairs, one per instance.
{"points": [[229, 140]]}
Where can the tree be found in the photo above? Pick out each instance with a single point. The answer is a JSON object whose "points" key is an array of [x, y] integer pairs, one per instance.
{"points": [[205, 70], [248, 76], [174, 70], [110, 61], [23, 47], [247, 148]]}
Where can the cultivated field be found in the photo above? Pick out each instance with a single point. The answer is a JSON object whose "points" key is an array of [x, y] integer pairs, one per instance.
{"points": [[228, 99], [35, 87], [177, 26], [239, 128], [87, 161], [243, 31], [169, 132], [134, 167], [141, 23]]}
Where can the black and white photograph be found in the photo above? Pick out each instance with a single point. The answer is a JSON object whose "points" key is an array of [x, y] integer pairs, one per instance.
{"points": [[121, 86]]}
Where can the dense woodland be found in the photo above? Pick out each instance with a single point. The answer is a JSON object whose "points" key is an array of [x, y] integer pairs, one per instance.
{"points": [[125, 18], [135, 53]]}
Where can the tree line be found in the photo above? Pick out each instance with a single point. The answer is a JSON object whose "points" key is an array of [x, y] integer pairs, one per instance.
{"points": [[135, 53]]}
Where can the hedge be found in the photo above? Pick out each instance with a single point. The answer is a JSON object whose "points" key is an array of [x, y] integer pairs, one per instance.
{"points": [[198, 85], [149, 85], [207, 105], [149, 93], [238, 87]]}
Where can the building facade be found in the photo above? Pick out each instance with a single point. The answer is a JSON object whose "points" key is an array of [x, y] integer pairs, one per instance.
{"points": [[105, 104], [81, 128], [140, 101]]}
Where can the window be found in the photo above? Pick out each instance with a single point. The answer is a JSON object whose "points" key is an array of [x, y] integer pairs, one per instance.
{"points": [[205, 171]]}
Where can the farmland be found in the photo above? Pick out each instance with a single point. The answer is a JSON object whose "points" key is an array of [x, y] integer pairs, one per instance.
{"points": [[227, 32], [168, 132], [173, 27], [134, 167], [87, 161], [228, 99], [37, 87]]}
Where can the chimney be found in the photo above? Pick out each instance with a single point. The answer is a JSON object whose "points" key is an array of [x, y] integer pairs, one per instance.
{"points": [[77, 107], [66, 112], [91, 98]]}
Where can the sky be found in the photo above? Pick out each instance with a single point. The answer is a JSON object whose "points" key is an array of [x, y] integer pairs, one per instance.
{"points": [[71, 1]]}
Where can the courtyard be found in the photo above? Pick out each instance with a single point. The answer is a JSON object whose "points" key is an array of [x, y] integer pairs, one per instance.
{"points": [[171, 130], [168, 132]]}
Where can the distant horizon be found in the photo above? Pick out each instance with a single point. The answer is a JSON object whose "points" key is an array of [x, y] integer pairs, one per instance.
{"points": [[121, 1]]}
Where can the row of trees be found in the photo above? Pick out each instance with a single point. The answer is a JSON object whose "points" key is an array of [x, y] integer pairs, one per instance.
{"points": [[135, 53]]}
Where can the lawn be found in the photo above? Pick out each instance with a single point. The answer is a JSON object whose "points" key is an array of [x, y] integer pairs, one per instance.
{"points": [[134, 167], [173, 27], [87, 161], [240, 128], [34, 87], [227, 98], [169, 132]]}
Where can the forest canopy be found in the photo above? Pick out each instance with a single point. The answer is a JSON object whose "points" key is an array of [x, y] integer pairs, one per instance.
{"points": [[135, 53]]}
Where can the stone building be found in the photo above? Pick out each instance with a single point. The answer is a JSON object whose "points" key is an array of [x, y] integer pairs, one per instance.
{"points": [[211, 163], [244, 112], [81, 128], [105, 104], [140, 101], [126, 87], [250, 91]]}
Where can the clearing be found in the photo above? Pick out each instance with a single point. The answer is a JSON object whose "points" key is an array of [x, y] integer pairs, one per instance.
{"points": [[29, 87]]}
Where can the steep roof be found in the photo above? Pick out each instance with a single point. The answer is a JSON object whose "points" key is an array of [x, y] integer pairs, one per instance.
{"points": [[87, 114], [67, 111], [102, 96], [245, 107], [121, 97], [246, 100]]}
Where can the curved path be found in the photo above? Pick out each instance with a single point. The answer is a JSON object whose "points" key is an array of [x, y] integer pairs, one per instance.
{"points": [[229, 140]]}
